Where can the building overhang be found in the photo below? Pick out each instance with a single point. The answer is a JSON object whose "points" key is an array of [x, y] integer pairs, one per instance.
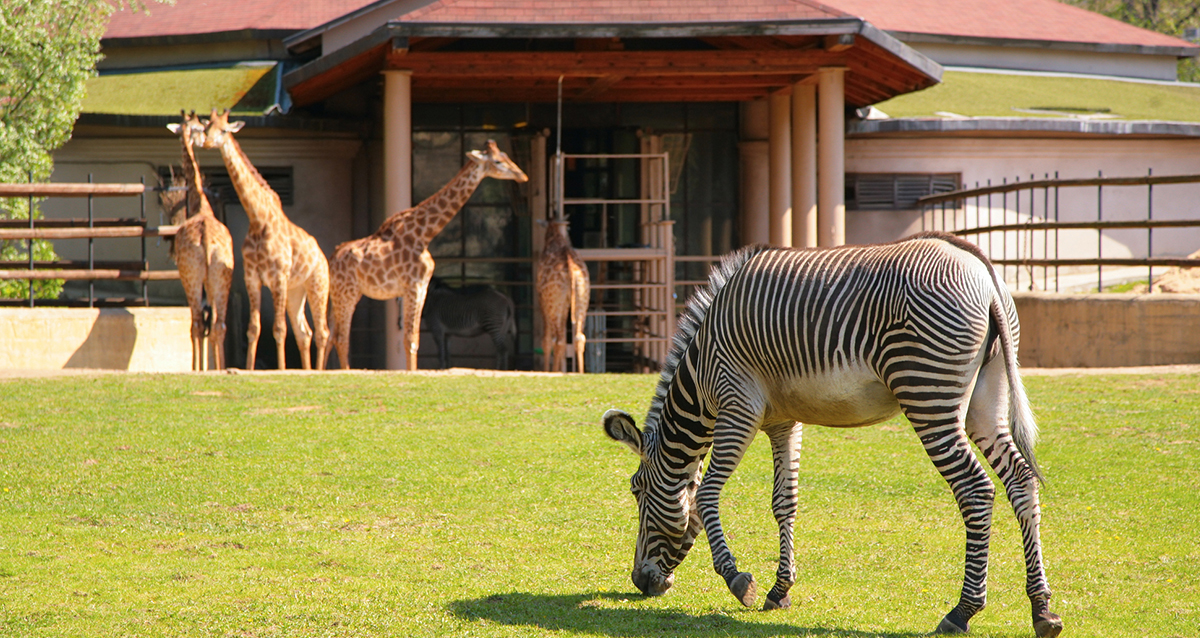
{"points": [[643, 62]]}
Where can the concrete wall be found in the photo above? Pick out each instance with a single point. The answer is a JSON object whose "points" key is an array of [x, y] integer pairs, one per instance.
{"points": [[1108, 330], [135, 339]]}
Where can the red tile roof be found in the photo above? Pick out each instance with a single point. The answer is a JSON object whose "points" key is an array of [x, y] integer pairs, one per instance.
{"points": [[1004, 19], [190, 17], [617, 11]]}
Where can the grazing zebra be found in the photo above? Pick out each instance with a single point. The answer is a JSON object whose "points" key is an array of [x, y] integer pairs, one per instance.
{"points": [[469, 312], [840, 337]]}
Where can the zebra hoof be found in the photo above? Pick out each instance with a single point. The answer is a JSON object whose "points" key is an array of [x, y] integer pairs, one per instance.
{"points": [[951, 625], [1048, 625], [744, 588], [771, 604]]}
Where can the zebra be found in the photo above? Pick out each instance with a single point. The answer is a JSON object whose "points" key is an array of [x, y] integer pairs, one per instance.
{"points": [[470, 311], [842, 337]]}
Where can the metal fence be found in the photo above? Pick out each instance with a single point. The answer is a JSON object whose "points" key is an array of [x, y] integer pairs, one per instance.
{"points": [[1021, 225], [89, 228]]}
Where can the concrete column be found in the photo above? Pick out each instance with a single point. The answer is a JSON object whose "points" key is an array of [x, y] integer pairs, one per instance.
{"points": [[804, 166], [755, 166], [780, 190], [397, 181], [831, 157]]}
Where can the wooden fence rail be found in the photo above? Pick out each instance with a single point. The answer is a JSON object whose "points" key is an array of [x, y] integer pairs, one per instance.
{"points": [[87, 228]]}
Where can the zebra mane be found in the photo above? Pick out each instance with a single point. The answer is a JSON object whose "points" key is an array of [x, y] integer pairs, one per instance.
{"points": [[689, 323]]}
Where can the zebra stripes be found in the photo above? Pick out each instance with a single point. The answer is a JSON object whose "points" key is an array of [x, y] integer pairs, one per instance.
{"points": [[841, 337]]}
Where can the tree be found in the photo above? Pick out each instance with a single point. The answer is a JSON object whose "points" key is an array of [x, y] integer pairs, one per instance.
{"points": [[1171, 17], [48, 50]]}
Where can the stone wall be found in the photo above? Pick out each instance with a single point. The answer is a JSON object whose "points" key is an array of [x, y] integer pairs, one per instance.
{"points": [[1108, 330], [135, 339]]}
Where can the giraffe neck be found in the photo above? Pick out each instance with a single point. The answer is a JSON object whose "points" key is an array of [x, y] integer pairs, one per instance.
{"points": [[427, 219], [261, 203], [197, 203]]}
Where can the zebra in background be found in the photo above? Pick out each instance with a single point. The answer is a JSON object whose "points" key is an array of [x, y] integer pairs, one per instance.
{"points": [[840, 337], [470, 311]]}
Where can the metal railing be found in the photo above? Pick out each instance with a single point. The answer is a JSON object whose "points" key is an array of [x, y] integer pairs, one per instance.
{"points": [[90, 228], [1009, 218]]}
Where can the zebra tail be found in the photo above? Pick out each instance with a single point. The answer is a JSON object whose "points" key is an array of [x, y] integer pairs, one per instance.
{"points": [[1021, 421]]}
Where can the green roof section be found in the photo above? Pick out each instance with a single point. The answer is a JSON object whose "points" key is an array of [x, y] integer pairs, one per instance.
{"points": [[244, 88], [986, 94]]}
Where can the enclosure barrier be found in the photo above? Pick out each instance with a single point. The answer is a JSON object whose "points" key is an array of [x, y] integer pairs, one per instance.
{"points": [[89, 228], [947, 212]]}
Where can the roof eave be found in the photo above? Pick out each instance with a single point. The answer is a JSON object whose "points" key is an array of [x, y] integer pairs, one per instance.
{"points": [[198, 38], [398, 33], [1054, 45]]}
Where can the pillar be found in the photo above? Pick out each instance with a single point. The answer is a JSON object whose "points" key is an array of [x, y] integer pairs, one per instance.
{"points": [[779, 142], [397, 181], [804, 166], [755, 162], [831, 156]]}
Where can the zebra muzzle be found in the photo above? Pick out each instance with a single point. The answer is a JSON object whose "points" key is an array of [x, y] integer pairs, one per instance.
{"points": [[651, 582]]}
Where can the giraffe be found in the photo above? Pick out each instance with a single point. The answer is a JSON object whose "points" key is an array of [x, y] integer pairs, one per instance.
{"points": [[203, 251], [394, 261], [562, 287], [276, 253]]}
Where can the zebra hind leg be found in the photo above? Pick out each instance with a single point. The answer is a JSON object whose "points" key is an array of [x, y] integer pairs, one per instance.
{"points": [[947, 445], [985, 418], [785, 452]]}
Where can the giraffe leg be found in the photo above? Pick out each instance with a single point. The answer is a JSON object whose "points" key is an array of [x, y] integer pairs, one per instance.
{"points": [[986, 424], [342, 301], [254, 327], [195, 304], [735, 428], [300, 327], [219, 277], [414, 301], [318, 304], [279, 301], [785, 452], [580, 344]]}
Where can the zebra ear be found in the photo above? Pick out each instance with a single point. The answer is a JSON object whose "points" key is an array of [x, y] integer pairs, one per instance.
{"points": [[620, 427]]}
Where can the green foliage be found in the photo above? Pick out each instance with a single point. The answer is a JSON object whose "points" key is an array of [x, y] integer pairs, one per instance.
{"points": [[412, 505], [48, 50]]}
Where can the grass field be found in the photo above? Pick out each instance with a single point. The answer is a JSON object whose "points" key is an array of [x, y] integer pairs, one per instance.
{"points": [[412, 505]]}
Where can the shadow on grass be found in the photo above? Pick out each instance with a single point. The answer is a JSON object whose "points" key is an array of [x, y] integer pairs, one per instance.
{"points": [[588, 613]]}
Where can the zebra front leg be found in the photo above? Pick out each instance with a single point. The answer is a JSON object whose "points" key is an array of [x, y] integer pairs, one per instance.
{"points": [[785, 452], [734, 430]]}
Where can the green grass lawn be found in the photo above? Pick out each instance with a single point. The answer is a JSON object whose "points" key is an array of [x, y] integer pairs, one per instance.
{"points": [[975, 94], [411, 505]]}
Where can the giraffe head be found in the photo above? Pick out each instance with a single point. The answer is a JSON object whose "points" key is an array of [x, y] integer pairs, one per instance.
{"points": [[219, 129], [190, 129], [497, 164]]}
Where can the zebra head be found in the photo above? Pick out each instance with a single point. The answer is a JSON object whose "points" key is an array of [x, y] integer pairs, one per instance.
{"points": [[668, 519]]}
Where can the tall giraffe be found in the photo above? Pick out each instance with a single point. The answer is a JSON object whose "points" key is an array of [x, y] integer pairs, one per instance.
{"points": [[203, 251], [394, 261], [562, 287], [276, 253]]}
